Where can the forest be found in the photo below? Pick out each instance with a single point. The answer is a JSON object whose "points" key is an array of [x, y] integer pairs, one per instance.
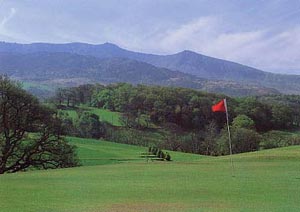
{"points": [[179, 119]]}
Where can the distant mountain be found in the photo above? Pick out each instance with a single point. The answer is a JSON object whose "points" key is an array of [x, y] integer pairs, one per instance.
{"points": [[187, 62], [51, 66], [217, 69], [106, 50], [60, 68]]}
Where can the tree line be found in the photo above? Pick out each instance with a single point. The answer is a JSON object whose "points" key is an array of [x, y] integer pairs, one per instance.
{"points": [[187, 108], [31, 133], [186, 116]]}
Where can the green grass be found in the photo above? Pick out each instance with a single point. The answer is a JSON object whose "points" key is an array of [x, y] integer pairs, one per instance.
{"points": [[99, 152], [72, 113], [268, 180], [27, 85], [95, 152], [104, 115]]}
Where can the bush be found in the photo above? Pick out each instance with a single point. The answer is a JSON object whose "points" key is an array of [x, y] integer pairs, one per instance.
{"points": [[274, 139], [243, 140], [89, 126], [159, 153], [168, 157]]}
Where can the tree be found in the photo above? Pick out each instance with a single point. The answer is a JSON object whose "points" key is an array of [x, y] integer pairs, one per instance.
{"points": [[84, 93], [243, 140], [260, 113], [29, 133], [282, 116], [89, 126], [243, 136], [210, 139], [243, 121], [192, 143], [67, 125]]}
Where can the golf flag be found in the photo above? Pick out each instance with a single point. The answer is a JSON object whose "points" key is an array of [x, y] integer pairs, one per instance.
{"points": [[220, 106]]}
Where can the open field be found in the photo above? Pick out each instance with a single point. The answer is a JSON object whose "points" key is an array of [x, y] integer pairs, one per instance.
{"points": [[264, 181]]}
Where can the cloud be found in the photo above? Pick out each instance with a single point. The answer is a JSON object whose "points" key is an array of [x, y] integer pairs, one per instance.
{"points": [[262, 49], [278, 52], [3, 23], [191, 34], [230, 44], [266, 48]]}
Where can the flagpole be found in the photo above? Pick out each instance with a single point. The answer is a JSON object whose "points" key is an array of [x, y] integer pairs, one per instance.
{"points": [[229, 139]]}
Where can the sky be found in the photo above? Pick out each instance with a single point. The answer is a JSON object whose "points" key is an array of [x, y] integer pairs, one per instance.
{"points": [[264, 34]]}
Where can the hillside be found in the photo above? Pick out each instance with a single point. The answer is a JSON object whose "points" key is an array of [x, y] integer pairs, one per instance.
{"points": [[53, 66], [66, 69], [264, 181], [187, 62], [217, 69]]}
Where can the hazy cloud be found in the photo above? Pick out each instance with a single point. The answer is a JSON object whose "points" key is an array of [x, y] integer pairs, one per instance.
{"points": [[6, 18], [190, 35], [265, 49], [4, 33], [261, 49]]}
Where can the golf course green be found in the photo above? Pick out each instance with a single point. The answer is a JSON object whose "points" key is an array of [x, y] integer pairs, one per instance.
{"points": [[113, 177]]}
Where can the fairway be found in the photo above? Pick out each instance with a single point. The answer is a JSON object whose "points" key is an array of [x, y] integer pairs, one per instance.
{"points": [[264, 181], [150, 106], [95, 152]]}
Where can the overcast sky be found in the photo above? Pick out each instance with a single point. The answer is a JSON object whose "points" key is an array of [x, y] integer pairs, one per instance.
{"points": [[261, 33]]}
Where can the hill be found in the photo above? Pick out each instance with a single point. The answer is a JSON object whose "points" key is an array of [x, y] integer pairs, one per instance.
{"points": [[68, 69], [217, 69], [53, 66], [264, 181], [187, 62]]}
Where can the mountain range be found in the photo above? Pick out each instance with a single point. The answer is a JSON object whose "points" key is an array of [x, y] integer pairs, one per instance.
{"points": [[107, 63]]}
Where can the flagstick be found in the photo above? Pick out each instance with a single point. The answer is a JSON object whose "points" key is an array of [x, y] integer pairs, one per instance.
{"points": [[229, 139]]}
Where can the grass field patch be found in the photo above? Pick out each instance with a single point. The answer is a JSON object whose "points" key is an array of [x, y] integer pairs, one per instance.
{"points": [[189, 183]]}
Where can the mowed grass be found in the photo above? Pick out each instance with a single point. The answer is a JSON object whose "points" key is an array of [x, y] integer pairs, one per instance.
{"points": [[99, 152], [104, 115], [107, 115], [263, 181], [27, 85]]}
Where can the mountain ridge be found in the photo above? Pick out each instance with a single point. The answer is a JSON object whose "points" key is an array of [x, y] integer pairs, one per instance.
{"points": [[71, 69], [186, 61]]}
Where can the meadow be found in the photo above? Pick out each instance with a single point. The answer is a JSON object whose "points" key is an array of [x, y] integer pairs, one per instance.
{"points": [[113, 177]]}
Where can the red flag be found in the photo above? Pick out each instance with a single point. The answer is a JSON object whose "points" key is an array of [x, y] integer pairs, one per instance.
{"points": [[219, 107]]}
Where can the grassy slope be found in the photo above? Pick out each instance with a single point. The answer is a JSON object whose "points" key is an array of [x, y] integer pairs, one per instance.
{"points": [[104, 115], [94, 152], [264, 181], [27, 85], [153, 135]]}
